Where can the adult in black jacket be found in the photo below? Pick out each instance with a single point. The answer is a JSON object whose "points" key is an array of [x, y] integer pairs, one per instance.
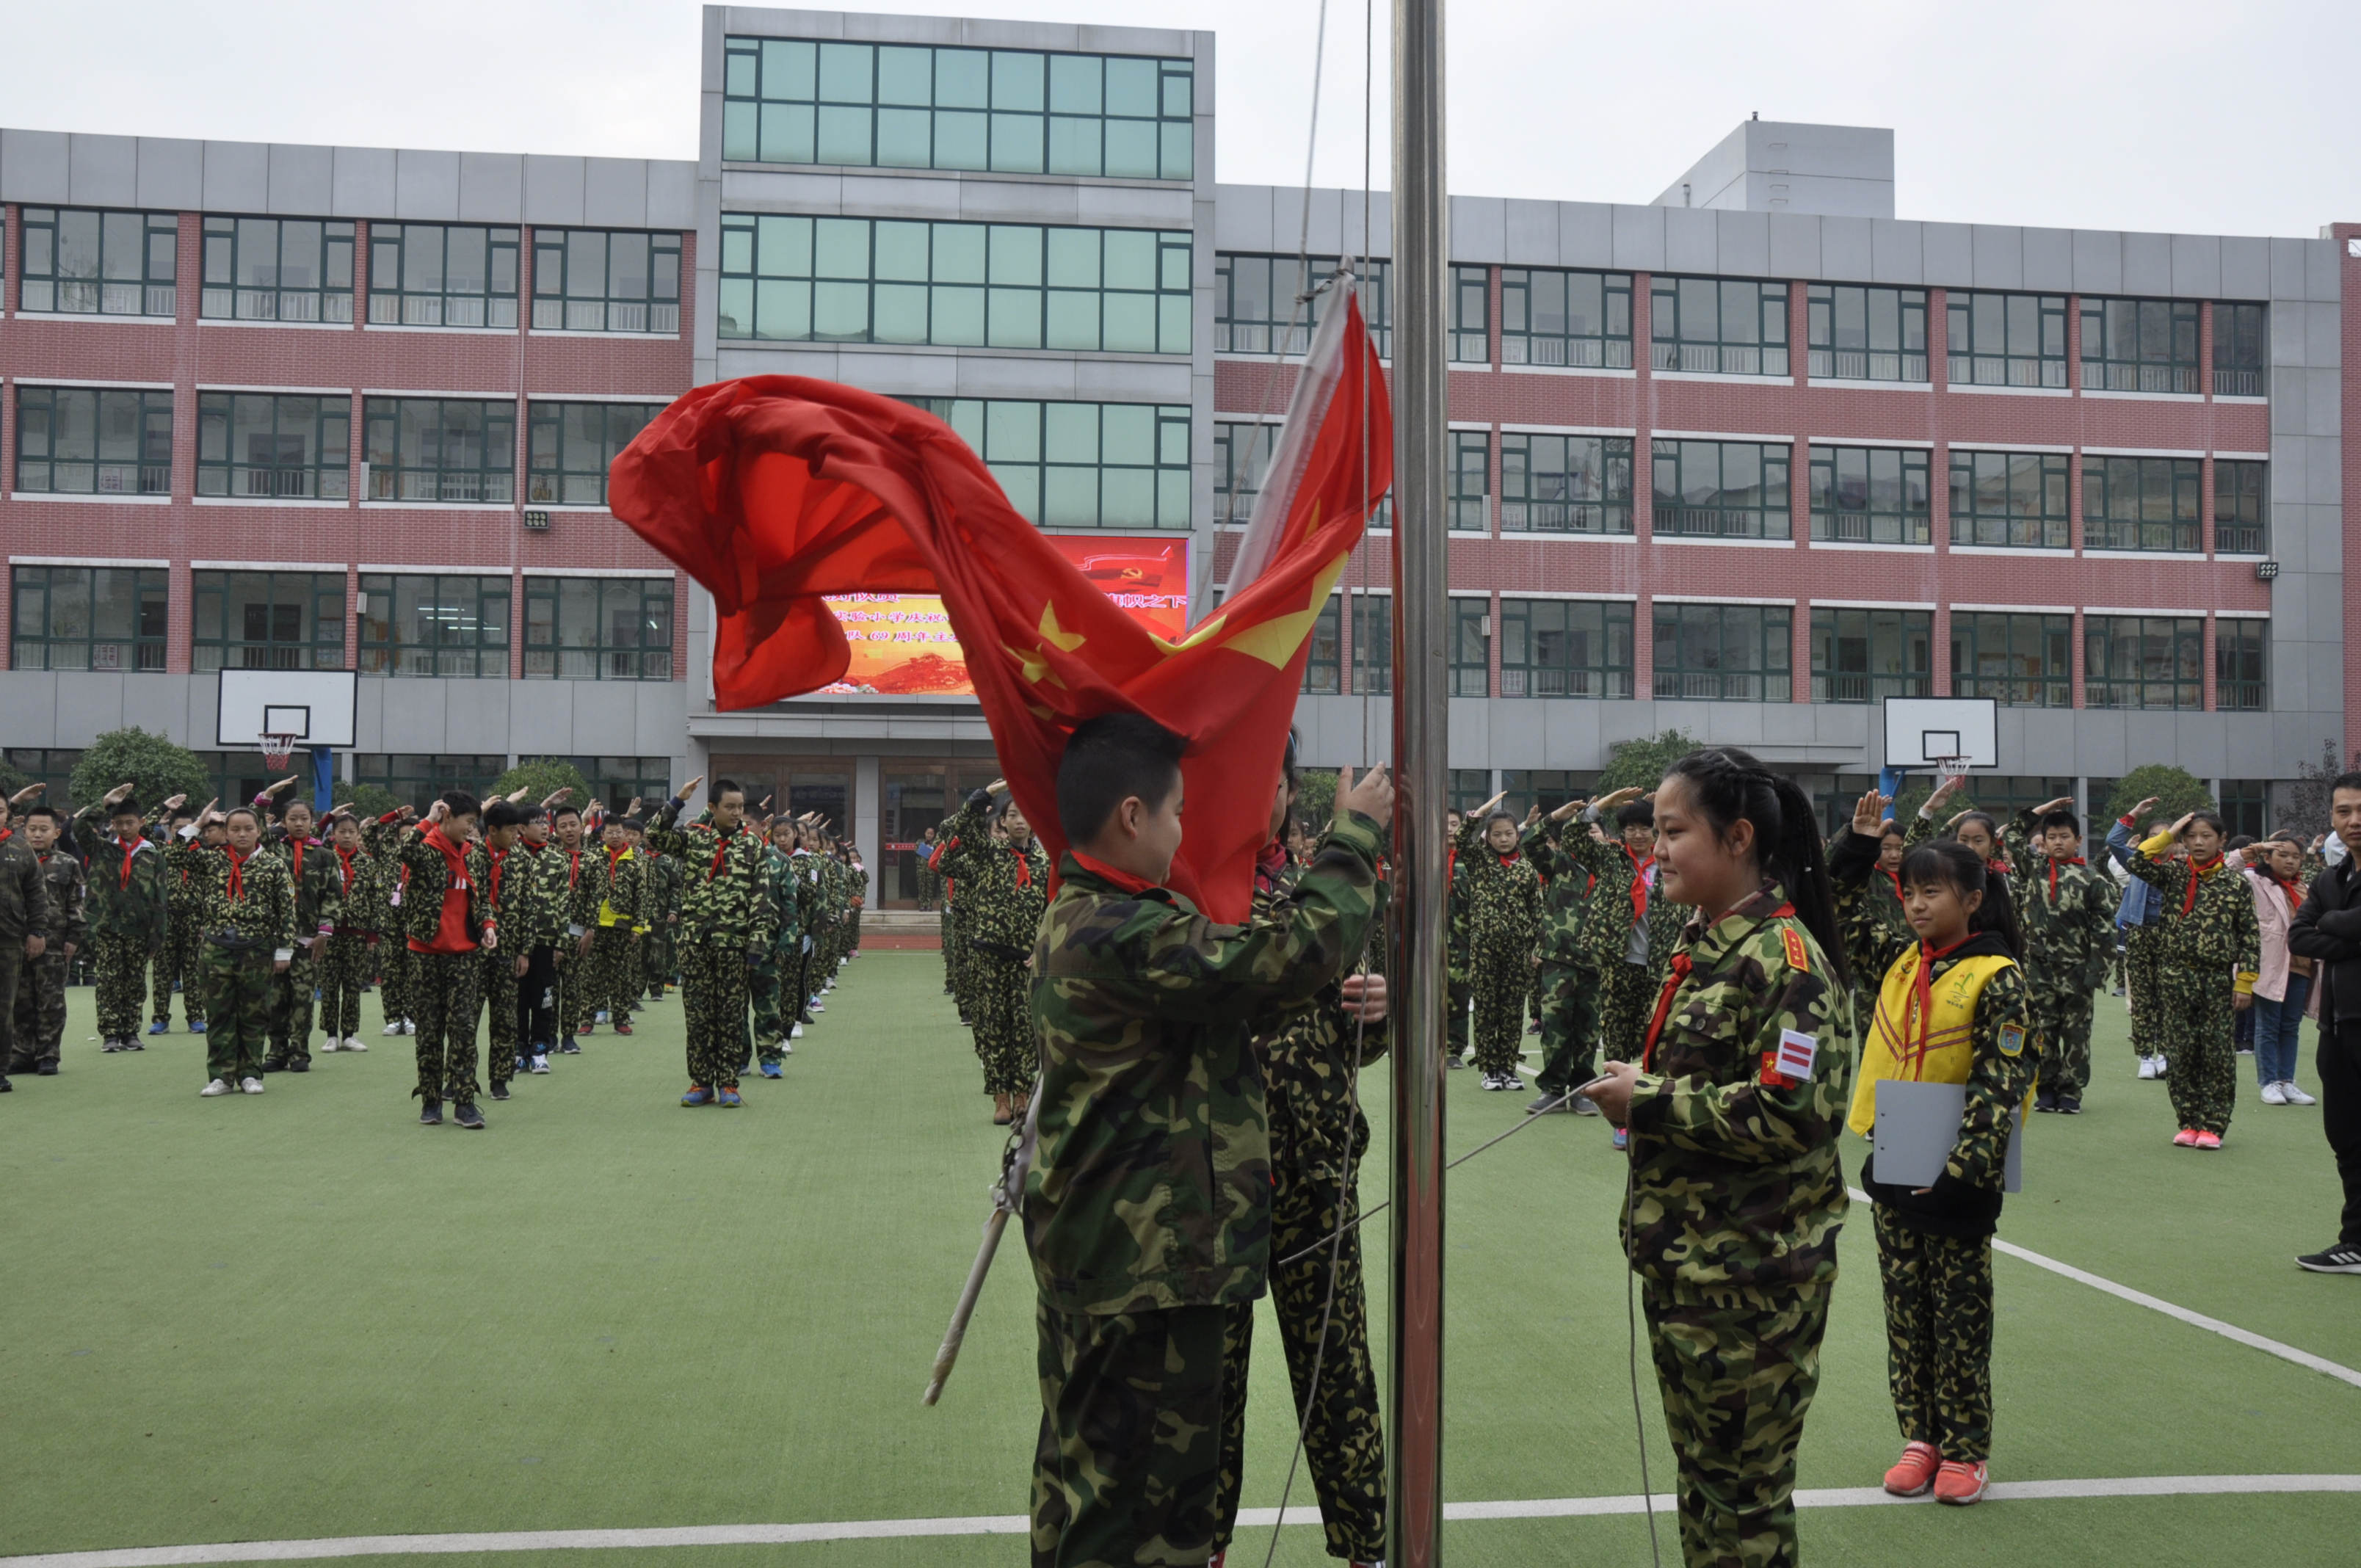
{"points": [[2328, 930]]}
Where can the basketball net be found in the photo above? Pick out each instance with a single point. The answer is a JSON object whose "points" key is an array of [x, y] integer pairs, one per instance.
{"points": [[278, 751], [1949, 771]]}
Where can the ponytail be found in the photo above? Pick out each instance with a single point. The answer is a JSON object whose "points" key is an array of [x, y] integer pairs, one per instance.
{"points": [[1729, 785]]}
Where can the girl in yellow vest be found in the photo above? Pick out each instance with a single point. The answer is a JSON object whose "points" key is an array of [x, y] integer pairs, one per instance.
{"points": [[1953, 1009]]}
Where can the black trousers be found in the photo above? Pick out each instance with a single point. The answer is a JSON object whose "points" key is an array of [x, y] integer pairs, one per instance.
{"points": [[2337, 1059], [536, 1004]]}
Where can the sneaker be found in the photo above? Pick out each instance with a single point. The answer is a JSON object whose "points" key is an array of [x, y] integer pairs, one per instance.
{"points": [[1548, 1102], [393, 1026], [1913, 1474], [2046, 1100], [2274, 1095], [108, 1048], [197, 1027], [41, 1069], [160, 1026], [468, 1116], [730, 1097], [499, 1092], [1961, 1484], [599, 1016], [819, 1007], [1510, 1080], [1453, 1061], [274, 1064], [218, 1086], [787, 1047], [1491, 1082], [2186, 1138], [2294, 1096], [249, 1086], [330, 1046], [798, 1033], [299, 1064], [2342, 1258], [2207, 1139], [2147, 1067], [1584, 1107], [698, 1095], [540, 1064], [353, 1043], [131, 1045], [625, 1027], [2070, 1105], [1623, 1138], [772, 1070], [569, 1048], [429, 1114]]}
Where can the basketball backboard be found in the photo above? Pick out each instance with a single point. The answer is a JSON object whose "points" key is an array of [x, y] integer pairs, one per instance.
{"points": [[314, 707], [1922, 730]]}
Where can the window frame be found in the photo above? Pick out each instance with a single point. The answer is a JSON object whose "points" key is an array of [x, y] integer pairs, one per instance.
{"points": [[441, 651], [141, 651], [1471, 629], [318, 598], [1471, 314], [549, 478], [152, 284], [2053, 636], [1235, 334], [548, 656], [1681, 345], [2241, 349], [1373, 628], [999, 429], [2114, 485], [1606, 349], [2102, 687], [559, 309], [2017, 363], [222, 236], [2241, 665], [1603, 508], [1674, 515], [2013, 530], [148, 473], [1903, 363], [1773, 680], [391, 250], [1323, 667], [1825, 487], [441, 774], [385, 418], [2246, 486], [1911, 631], [2112, 366], [321, 479], [1469, 498], [1604, 678]]}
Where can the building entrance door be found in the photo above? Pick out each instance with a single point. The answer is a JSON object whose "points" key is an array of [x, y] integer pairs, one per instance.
{"points": [[919, 794]]}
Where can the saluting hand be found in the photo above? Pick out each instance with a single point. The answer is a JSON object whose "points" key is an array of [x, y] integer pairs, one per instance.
{"points": [[1571, 808]]}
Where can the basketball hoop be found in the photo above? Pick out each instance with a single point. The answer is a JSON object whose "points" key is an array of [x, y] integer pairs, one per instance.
{"points": [[1950, 771], [278, 751]]}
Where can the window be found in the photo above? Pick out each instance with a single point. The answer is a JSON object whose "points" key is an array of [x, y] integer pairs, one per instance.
{"points": [[2242, 652], [89, 618], [1565, 484], [1548, 788], [2007, 340], [276, 444], [2009, 499], [1861, 333], [2005, 795], [598, 280], [441, 449], [1867, 656], [1471, 315], [2246, 807], [416, 780], [269, 620], [2143, 660], [1085, 465], [1554, 317], [87, 441], [1014, 111], [793, 280], [1471, 647], [1726, 652], [2019, 661], [1718, 325], [76, 261], [1722, 489], [2139, 346], [1254, 298], [1871, 495], [571, 446], [2141, 503], [2241, 508], [53, 767], [278, 269], [1373, 644], [2242, 350], [1320, 671], [443, 275], [1565, 648], [617, 780], [1471, 480], [433, 626], [598, 629], [1469, 787], [1835, 805]]}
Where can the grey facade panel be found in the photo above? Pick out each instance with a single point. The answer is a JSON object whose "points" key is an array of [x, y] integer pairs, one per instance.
{"points": [[1528, 234], [2196, 266], [1999, 256], [2098, 261], [235, 177], [1586, 233], [1796, 246], [2246, 267], [615, 192], [492, 187], [1848, 249], [1895, 252], [303, 180], [2147, 264], [103, 172], [2048, 259], [1692, 241], [33, 166], [364, 183], [552, 190], [1948, 252], [1743, 244], [1640, 238], [426, 187]]}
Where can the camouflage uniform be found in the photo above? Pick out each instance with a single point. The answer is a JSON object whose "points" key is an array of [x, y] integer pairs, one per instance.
{"points": [[41, 1009], [726, 923], [382, 839], [2067, 912], [584, 884], [318, 880], [1737, 1199], [543, 940], [610, 982], [1870, 918], [24, 911], [1565, 987], [1502, 896], [659, 950], [817, 897], [175, 963], [1456, 991], [1630, 955], [781, 963], [857, 896], [243, 925], [2210, 946], [512, 891], [1005, 891], [344, 966], [124, 907], [930, 886], [448, 984], [1147, 1208]]}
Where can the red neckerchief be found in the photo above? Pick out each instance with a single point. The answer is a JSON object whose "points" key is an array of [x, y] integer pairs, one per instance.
{"points": [[347, 857], [1450, 865], [2054, 864], [1922, 1004], [1639, 882], [299, 844], [2287, 890], [1895, 878], [236, 873], [1123, 881], [1508, 860], [1023, 864], [1267, 866], [1680, 968], [498, 855], [2197, 870], [573, 867], [614, 859], [130, 848]]}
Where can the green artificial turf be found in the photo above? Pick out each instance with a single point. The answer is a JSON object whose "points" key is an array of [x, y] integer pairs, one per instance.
{"points": [[305, 1315]]}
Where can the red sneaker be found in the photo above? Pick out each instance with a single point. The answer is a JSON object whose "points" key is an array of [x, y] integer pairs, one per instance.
{"points": [[1913, 1473], [2186, 1138], [622, 1029], [1961, 1484], [2206, 1140]]}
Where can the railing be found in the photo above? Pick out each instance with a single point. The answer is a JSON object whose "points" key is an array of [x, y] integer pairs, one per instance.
{"points": [[1581, 353], [2240, 696], [1718, 359], [1563, 517], [1714, 522], [134, 480], [284, 483], [1470, 680], [554, 314], [2121, 533], [1865, 364], [1546, 682], [430, 485], [1471, 349], [2016, 533], [2240, 538], [2237, 383], [1259, 337], [1370, 679], [2131, 375], [2160, 695], [545, 489], [2005, 371], [598, 665], [1872, 526], [1471, 515], [1861, 687], [2016, 693], [274, 305], [90, 297], [444, 309], [1720, 685]]}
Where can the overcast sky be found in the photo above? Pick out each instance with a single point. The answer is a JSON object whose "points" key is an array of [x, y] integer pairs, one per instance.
{"points": [[2110, 114]]}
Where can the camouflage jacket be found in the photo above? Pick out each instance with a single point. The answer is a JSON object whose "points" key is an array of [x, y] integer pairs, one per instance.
{"points": [[1608, 927], [127, 896], [1735, 1170], [1566, 890], [2066, 910], [579, 878], [722, 882], [260, 912], [779, 889], [1455, 910], [24, 893], [1151, 1180], [515, 889], [2220, 931], [360, 887], [1317, 1129], [428, 880], [318, 880], [543, 912], [179, 873], [1005, 890], [856, 882], [62, 876], [1870, 918], [817, 897], [623, 887], [1502, 895]]}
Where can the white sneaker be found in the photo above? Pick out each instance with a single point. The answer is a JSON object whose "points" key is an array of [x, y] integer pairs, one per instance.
{"points": [[352, 1043], [2294, 1096], [795, 1034], [2272, 1096], [540, 1064], [409, 1026], [787, 1046], [393, 1026], [215, 1087], [331, 1045], [819, 1007], [2147, 1067], [249, 1086]]}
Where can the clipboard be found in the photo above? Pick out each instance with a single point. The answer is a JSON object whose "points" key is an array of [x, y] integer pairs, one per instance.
{"points": [[1917, 1125]]}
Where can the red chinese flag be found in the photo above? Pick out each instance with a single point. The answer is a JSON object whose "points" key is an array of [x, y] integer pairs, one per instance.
{"points": [[775, 491]]}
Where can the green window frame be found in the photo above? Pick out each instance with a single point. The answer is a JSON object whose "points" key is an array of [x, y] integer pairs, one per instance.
{"points": [[1471, 481], [415, 779], [2139, 346], [1565, 484], [1868, 656], [456, 450], [52, 766], [569, 448], [1872, 495], [798, 279], [915, 106], [268, 620], [606, 281], [1724, 653], [598, 629], [1077, 464], [2241, 665], [2010, 499], [1722, 489], [1324, 669], [2144, 660], [286, 446], [1548, 788], [1373, 644], [277, 270], [89, 618], [2246, 807], [1469, 788], [2242, 349], [92, 261], [1860, 333], [446, 275], [93, 441], [1727, 326], [1255, 297], [2005, 340], [1570, 648], [1558, 316], [1471, 315], [2016, 659], [617, 781], [2143, 503], [2242, 507], [420, 624], [1471, 646]]}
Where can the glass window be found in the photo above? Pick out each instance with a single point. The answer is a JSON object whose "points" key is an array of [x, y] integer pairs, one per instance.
{"points": [[2019, 661], [606, 281], [1548, 788], [269, 620], [1871, 495], [2141, 503], [433, 626], [911, 106], [1373, 644], [1471, 480], [278, 269], [2012, 498], [92, 441], [1256, 297], [617, 780], [2242, 652], [1071, 465], [1471, 647], [415, 780], [1469, 788], [1867, 656], [441, 449], [1551, 316], [1722, 489], [1565, 484], [1862, 333], [572, 446], [2245, 805], [1725, 652], [53, 766], [1323, 669], [83, 262], [1728, 325], [1565, 648], [443, 275], [2242, 349], [2007, 340], [273, 444], [2143, 660], [598, 629], [89, 618], [2139, 346], [2242, 517], [1471, 315]]}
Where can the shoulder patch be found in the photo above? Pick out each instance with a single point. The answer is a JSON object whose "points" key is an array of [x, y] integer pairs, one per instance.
{"points": [[2012, 1039], [1798, 958]]}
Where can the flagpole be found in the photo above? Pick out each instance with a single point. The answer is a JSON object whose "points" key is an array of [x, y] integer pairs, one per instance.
{"points": [[1421, 242]]}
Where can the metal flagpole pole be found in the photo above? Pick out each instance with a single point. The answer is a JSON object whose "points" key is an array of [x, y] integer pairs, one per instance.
{"points": [[1421, 242]]}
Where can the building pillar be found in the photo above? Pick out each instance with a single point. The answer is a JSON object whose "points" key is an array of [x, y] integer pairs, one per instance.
{"points": [[868, 813]]}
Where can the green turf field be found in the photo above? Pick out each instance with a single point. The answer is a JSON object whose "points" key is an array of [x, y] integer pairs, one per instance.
{"points": [[306, 1316]]}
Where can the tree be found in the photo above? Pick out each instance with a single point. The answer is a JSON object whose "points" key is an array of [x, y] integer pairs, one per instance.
{"points": [[2177, 790], [152, 765], [540, 777], [1315, 796], [1643, 762], [1915, 788], [366, 799], [2308, 800], [13, 779]]}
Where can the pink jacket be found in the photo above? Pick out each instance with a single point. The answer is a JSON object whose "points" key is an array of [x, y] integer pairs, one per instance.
{"points": [[2274, 914]]}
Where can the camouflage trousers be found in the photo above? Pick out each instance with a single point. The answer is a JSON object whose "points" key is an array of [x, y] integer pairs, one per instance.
{"points": [[1497, 978], [290, 1009], [658, 958], [2061, 1018], [765, 987], [1626, 1003], [1003, 1021], [1126, 1473], [610, 982], [121, 963], [13, 983], [394, 1000], [38, 1014], [1738, 1369], [499, 990], [175, 963], [237, 982], [2144, 980], [447, 993], [342, 966], [950, 955], [1938, 1336], [1456, 993], [574, 1009], [2195, 1023], [1569, 995], [713, 1002]]}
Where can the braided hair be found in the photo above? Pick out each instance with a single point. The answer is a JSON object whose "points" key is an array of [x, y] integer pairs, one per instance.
{"points": [[1730, 786]]}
